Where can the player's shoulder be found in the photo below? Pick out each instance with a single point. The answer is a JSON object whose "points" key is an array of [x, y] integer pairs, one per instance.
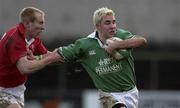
{"points": [[85, 40], [122, 31], [15, 32], [12, 31], [123, 34]]}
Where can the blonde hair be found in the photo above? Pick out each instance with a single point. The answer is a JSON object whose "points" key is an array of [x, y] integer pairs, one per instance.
{"points": [[99, 13], [28, 14]]}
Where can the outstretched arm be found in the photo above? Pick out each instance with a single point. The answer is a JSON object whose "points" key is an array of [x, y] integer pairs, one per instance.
{"points": [[31, 56], [27, 66]]}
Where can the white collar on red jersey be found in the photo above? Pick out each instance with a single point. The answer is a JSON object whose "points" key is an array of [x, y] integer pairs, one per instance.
{"points": [[29, 42]]}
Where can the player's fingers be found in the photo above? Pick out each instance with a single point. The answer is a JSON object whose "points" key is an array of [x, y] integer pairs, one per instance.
{"points": [[108, 50]]}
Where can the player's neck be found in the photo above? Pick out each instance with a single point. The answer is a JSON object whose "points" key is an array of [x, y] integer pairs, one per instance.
{"points": [[27, 36], [101, 38]]}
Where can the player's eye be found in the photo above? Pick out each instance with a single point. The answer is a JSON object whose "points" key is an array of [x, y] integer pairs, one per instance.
{"points": [[107, 22], [114, 21]]}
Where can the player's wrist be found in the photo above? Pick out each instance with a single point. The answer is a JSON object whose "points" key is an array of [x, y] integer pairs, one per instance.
{"points": [[38, 57]]}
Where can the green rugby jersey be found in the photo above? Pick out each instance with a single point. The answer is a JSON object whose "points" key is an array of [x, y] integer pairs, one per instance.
{"points": [[108, 74]]}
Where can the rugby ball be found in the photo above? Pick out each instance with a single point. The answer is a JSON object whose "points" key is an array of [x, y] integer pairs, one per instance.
{"points": [[116, 55]]}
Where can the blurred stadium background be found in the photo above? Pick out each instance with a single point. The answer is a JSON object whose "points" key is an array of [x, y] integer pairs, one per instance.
{"points": [[69, 86]]}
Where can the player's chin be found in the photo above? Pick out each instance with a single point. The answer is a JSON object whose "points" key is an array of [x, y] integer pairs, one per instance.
{"points": [[38, 34], [111, 35]]}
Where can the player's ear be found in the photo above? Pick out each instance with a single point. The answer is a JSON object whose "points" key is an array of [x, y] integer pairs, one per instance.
{"points": [[97, 26], [27, 24]]}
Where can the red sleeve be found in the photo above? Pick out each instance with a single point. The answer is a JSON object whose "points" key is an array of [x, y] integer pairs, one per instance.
{"points": [[15, 48], [40, 48]]}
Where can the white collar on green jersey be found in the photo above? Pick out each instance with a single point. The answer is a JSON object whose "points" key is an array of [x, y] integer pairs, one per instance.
{"points": [[93, 35]]}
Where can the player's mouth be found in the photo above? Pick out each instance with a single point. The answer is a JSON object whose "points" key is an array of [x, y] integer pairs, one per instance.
{"points": [[40, 32], [112, 32]]}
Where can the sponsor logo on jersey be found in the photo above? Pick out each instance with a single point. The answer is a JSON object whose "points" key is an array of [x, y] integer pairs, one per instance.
{"points": [[107, 66], [92, 52]]}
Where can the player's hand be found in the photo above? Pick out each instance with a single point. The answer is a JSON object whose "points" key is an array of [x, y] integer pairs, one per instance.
{"points": [[30, 55], [54, 57], [110, 46]]}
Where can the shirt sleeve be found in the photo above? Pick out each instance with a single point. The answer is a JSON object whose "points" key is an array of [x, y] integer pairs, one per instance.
{"points": [[15, 49], [124, 34], [72, 52]]}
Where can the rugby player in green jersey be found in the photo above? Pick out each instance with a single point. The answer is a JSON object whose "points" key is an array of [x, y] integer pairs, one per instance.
{"points": [[114, 78]]}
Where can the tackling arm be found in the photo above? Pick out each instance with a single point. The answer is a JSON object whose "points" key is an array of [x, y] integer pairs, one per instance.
{"points": [[30, 66]]}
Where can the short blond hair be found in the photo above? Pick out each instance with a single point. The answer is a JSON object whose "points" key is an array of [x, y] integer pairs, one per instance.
{"points": [[99, 13], [28, 13]]}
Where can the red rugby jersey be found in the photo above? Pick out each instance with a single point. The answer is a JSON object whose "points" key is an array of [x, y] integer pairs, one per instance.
{"points": [[12, 47]]}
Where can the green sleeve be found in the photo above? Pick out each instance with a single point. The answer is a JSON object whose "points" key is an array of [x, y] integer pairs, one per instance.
{"points": [[123, 34], [72, 52]]}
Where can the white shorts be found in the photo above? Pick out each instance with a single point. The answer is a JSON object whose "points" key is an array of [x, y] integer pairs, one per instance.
{"points": [[13, 95], [129, 98]]}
